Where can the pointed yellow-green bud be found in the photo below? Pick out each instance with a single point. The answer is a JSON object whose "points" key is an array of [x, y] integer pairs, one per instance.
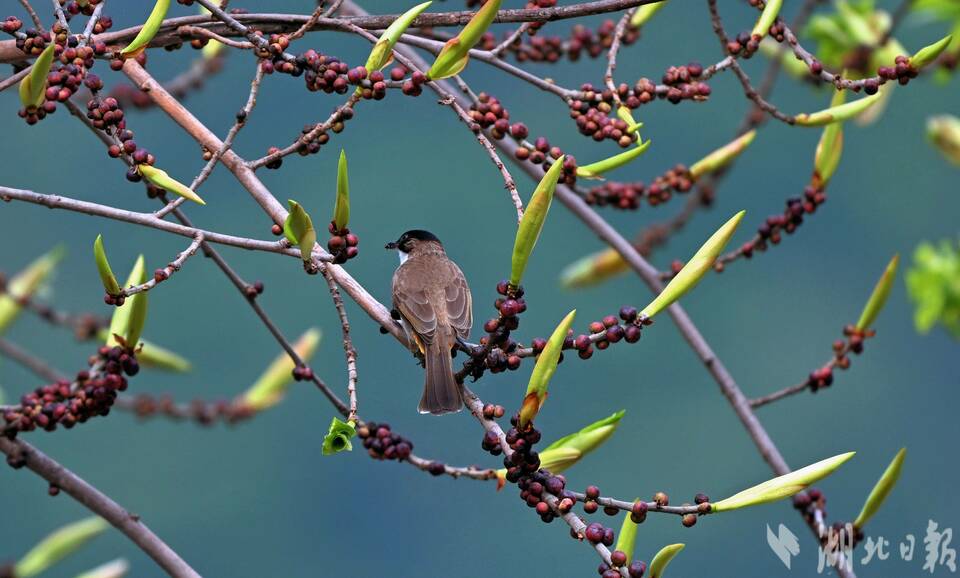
{"points": [[160, 178], [543, 371], [944, 132], [338, 437], [272, 385], [149, 30], [456, 52], [107, 277], [663, 557], [59, 545], [298, 229], [881, 490], [341, 209], [115, 569], [33, 87], [128, 319], [592, 269], [839, 113], [597, 169], [26, 283], [767, 18], [645, 13], [722, 156], [534, 216], [695, 269], [782, 486], [928, 54], [830, 146], [382, 52], [878, 298], [624, 112], [589, 438]]}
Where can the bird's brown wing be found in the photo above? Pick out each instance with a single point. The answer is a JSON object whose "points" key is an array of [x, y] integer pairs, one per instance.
{"points": [[411, 300], [459, 303]]}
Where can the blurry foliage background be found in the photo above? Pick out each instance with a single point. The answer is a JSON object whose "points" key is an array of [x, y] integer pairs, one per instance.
{"points": [[260, 500]]}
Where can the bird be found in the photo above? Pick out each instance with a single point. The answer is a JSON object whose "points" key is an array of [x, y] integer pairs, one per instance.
{"points": [[432, 299]]}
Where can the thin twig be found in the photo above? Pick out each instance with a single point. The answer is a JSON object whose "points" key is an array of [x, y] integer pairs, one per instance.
{"points": [[348, 349], [165, 273], [23, 357]]}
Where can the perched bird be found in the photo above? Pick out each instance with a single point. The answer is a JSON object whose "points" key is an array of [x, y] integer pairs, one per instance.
{"points": [[433, 300]]}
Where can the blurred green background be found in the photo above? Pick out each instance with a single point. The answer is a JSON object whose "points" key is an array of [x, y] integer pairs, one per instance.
{"points": [[259, 499]]}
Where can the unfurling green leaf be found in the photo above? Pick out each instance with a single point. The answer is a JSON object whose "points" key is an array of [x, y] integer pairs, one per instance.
{"points": [[382, 52], [544, 369], [149, 30], [624, 112], [592, 269], [879, 296], [695, 269], [839, 113], [26, 283], [341, 209], [160, 178], [272, 385], [153, 355], [645, 12], [528, 231], [627, 536], [456, 52], [298, 229], [589, 438], [594, 170], [881, 490], [830, 147], [59, 545], [767, 18], [33, 87], [783, 486], [338, 438], [933, 284], [928, 54], [722, 156], [116, 569], [944, 132], [107, 277], [128, 319], [663, 557]]}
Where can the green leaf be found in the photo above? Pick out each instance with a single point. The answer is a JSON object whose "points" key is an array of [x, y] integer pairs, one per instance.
{"points": [[830, 147], [456, 52], [128, 319], [722, 156], [272, 385], [382, 52], [590, 437], [33, 87], [544, 369], [627, 536], [341, 209], [695, 269], [928, 54], [531, 224], [933, 284], [26, 283], [944, 132], [116, 569], [557, 460], [107, 277], [594, 170], [338, 438], [878, 298], [767, 17], [298, 229], [783, 486], [881, 490], [161, 179], [645, 12], [59, 545], [663, 557], [592, 269], [839, 113], [149, 30]]}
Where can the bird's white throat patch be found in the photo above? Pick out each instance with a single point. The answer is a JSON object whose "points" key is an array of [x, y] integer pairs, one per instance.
{"points": [[403, 256]]}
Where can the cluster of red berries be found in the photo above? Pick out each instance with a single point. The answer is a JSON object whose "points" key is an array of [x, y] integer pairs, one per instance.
{"points": [[73, 7], [596, 122], [744, 45], [902, 71], [627, 196], [607, 331], [540, 151], [684, 83], [412, 86], [552, 48], [792, 217], [852, 343], [66, 404], [488, 113], [302, 373], [342, 244], [31, 42], [383, 444], [201, 412], [11, 24]]}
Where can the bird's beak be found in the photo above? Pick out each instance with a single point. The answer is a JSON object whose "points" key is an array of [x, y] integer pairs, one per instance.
{"points": [[390, 245]]}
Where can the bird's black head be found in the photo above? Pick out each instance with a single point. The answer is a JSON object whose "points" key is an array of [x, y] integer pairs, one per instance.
{"points": [[407, 240]]}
